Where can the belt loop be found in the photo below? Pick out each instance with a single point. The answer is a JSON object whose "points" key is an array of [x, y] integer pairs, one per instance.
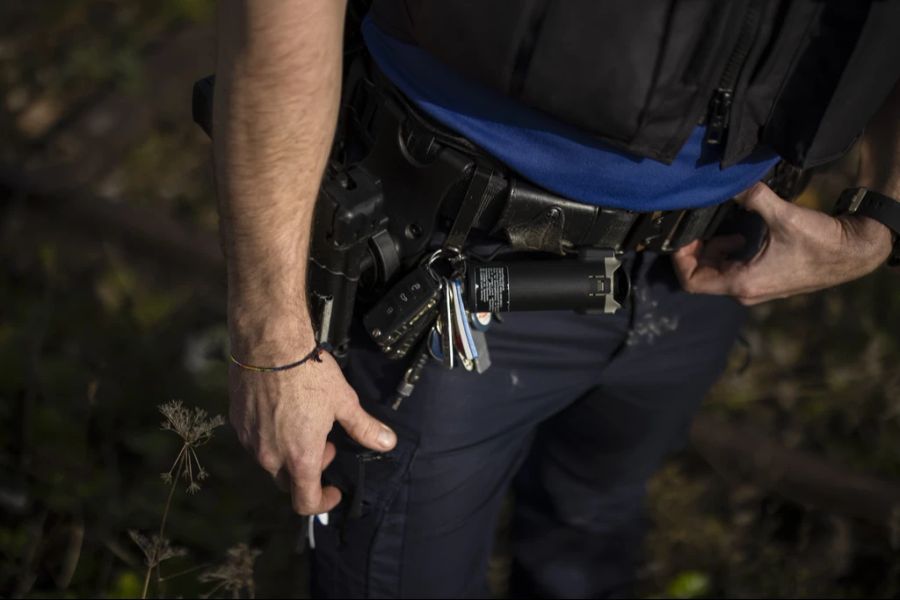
{"points": [[610, 228], [482, 187]]}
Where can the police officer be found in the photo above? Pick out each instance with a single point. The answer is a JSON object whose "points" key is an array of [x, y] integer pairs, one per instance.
{"points": [[599, 103]]}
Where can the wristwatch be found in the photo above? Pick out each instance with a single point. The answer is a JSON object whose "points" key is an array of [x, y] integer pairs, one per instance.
{"points": [[884, 209]]}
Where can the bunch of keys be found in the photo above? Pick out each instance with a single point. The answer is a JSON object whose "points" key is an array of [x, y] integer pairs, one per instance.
{"points": [[427, 307], [457, 336]]}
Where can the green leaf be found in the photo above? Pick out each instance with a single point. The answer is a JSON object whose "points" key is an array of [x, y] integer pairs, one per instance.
{"points": [[689, 584], [127, 585]]}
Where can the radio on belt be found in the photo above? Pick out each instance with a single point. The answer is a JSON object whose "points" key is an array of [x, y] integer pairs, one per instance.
{"points": [[594, 283]]}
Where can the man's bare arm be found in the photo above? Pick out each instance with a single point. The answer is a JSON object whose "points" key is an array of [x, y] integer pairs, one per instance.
{"points": [[277, 88], [277, 92]]}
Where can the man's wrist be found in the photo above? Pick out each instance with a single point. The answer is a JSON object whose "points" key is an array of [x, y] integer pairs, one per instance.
{"points": [[867, 239], [269, 334], [875, 220]]}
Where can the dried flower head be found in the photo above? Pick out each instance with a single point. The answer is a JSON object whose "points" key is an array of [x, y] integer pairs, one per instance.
{"points": [[156, 549], [195, 428], [235, 574]]}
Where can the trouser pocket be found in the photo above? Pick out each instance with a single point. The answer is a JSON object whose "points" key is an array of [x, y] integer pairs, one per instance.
{"points": [[358, 553]]}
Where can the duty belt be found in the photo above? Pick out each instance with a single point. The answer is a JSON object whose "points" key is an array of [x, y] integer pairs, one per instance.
{"points": [[397, 184], [527, 217]]}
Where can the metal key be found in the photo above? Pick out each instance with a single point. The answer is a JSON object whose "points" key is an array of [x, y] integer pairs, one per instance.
{"points": [[413, 373], [447, 329], [434, 342], [483, 360], [411, 336], [464, 327], [461, 338]]}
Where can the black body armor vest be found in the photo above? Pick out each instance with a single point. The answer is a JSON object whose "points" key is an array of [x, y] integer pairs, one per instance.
{"points": [[801, 76]]}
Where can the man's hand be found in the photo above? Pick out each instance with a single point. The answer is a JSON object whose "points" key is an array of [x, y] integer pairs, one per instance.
{"points": [[284, 417], [806, 250]]}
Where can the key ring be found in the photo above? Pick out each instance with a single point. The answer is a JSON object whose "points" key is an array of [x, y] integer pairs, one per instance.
{"points": [[455, 259]]}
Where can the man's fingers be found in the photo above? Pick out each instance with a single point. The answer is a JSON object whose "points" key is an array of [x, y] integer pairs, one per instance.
{"points": [[331, 497], [366, 429], [710, 280], [703, 267], [302, 477], [325, 499], [686, 259], [314, 501], [307, 496], [689, 249], [284, 475]]}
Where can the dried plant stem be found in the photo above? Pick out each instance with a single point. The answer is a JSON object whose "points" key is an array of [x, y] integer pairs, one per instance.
{"points": [[187, 571], [215, 589], [146, 581], [162, 529], [195, 428], [165, 515]]}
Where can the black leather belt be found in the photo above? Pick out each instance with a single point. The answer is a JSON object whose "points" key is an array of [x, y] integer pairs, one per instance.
{"points": [[525, 216], [531, 218]]}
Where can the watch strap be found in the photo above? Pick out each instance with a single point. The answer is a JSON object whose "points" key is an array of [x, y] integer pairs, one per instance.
{"points": [[882, 208]]}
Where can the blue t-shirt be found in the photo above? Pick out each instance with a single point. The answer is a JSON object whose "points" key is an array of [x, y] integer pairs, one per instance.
{"points": [[554, 155]]}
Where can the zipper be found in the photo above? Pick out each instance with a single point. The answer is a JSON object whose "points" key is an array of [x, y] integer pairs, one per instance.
{"points": [[719, 113], [362, 458]]}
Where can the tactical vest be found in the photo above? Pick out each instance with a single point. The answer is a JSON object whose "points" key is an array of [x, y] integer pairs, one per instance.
{"points": [[801, 76]]}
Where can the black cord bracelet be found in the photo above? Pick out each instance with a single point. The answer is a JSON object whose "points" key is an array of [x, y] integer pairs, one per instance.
{"points": [[314, 354]]}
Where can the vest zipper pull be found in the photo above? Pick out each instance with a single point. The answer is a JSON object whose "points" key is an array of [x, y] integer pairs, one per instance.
{"points": [[719, 113]]}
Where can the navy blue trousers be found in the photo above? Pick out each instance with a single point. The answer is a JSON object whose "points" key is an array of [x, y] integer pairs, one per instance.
{"points": [[576, 413]]}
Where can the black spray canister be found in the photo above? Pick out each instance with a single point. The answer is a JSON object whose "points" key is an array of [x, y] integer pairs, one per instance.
{"points": [[595, 282]]}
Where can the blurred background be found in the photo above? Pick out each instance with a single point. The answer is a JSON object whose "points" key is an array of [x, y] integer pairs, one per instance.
{"points": [[111, 305]]}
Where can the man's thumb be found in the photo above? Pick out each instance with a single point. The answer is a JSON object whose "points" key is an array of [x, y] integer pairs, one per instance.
{"points": [[762, 200], [366, 429]]}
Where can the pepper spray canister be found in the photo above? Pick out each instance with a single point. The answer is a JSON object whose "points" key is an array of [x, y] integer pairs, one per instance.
{"points": [[594, 283]]}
